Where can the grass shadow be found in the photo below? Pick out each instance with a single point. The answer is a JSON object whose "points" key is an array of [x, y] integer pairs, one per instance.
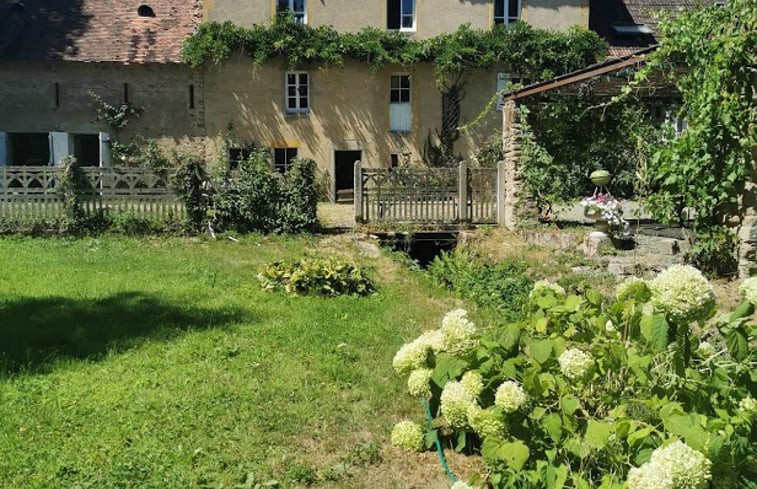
{"points": [[37, 331]]}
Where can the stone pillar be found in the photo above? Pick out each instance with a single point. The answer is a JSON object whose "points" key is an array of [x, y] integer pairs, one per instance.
{"points": [[748, 230], [511, 142]]}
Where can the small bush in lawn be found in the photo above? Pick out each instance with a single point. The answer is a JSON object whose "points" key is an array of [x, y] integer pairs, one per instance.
{"points": [[329, 277], [133, 225], [643, 391], [503, 286]]}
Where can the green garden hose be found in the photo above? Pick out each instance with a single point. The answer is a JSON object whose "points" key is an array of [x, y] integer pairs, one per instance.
{"points": [[439, 451]]}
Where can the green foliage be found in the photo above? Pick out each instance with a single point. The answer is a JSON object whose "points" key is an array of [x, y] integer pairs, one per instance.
{"points": [[255, 199], [329, 277], [706, 169], [189, 184], [533, 53], [503, 286], [585, 425], [565, 140], [116, 116], [72, 183]]}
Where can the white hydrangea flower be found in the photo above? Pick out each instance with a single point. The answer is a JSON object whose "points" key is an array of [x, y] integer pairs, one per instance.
{"points": [[629, 287], [434, 339], [748, 405], [458, 333], [418, 383], [408, 435], [547, 285], [510, 396], [485, 422], [748, 289], [705, 349], [455, 402], [411, 356], [647, 477], [473, 383], [683, 293], [575, 364], [688, 468], [461, 485]]}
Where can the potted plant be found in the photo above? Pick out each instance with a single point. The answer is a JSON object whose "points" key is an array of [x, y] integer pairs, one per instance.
{"points": [[607, 213]]}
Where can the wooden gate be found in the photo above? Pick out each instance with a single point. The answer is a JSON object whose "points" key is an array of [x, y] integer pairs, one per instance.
{"points": [[434, 197]]}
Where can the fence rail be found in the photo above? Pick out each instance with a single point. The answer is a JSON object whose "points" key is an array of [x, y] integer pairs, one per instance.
{"points": [[34, 193], [428, 196]]}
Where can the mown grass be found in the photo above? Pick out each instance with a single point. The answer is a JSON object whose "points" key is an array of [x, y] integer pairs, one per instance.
{"points": [[161, 364]]}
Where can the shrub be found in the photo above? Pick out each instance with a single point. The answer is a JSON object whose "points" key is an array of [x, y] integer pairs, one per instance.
{"points": [[329, 277], [298, 211], [589, 392], [503, 286]]}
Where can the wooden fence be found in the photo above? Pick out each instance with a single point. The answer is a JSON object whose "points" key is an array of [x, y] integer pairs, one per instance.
{"points": [[29, 193], [434, 197]]}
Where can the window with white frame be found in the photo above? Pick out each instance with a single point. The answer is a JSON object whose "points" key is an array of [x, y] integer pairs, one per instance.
{"points": [[400, 104], [297, 91], [282, 159], [506, 11], [505, 82], [400, 15], [296, 7]]}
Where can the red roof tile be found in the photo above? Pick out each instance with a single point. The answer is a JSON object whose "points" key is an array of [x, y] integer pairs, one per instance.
{"points": [[96, 30]]}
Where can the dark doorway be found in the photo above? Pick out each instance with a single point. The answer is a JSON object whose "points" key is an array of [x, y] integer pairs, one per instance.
{"points": [[344, 174], [28, 148], [87, 149]]}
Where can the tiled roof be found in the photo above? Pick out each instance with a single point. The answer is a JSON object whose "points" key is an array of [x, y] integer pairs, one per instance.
{"points": [[603, 14], [96, 30]]}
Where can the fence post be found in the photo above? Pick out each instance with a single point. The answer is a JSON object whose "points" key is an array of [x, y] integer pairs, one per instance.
{"points": [[462, 191], [358, 191], [500, 185]]}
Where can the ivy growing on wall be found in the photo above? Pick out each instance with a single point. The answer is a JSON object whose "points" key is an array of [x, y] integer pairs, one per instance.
{"points": [[530, 52]]}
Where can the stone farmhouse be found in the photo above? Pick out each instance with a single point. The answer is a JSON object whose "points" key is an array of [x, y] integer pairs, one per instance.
{"points": [[57, 58]]}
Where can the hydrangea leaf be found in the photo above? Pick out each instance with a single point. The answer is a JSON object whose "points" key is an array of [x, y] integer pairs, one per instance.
{"points": [[655, 329], [597, 433]]}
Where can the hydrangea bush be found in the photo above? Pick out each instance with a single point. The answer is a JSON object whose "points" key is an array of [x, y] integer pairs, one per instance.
{"points": [[648, 389]]}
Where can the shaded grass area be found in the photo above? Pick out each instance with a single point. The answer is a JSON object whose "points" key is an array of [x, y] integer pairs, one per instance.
{"points": [[161, 364]]}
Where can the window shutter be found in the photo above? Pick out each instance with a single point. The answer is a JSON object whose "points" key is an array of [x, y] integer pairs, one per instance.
{"points": [[3, 149], [104, 149], [60, 147]]}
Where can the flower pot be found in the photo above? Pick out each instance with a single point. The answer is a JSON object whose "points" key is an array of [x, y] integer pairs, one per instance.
{"points": [[600, 178]]}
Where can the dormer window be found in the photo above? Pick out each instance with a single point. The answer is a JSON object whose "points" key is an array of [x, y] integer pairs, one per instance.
{"points": [[145, 11]]}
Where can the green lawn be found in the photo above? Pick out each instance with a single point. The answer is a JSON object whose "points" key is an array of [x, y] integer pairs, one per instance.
{"points": [[161, 364]]}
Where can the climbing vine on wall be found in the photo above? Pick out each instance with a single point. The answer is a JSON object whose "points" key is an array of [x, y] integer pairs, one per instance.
{"points": [[707, 168], [530, 52]]}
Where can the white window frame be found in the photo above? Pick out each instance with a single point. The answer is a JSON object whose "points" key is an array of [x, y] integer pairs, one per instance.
{"points": [[503, 80], [506, 19], [297, 109], [403, 16], [399, 105], [300, 17]]}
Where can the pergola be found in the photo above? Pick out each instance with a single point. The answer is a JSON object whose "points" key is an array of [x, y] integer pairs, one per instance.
{"points": [[600, 81]]}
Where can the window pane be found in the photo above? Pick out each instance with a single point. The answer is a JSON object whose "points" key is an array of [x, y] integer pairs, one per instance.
{"points": [[291, 78], [407, 7], [407, 22], [291, 91], [405, 96], [394, 96], [395, 81], [291, 154], [303, 102], [279, 156], [299, 6], [282, 5], [393, 14], [303, 78], [512, 9], [292, 103], [405, 81], [499, 9]]}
